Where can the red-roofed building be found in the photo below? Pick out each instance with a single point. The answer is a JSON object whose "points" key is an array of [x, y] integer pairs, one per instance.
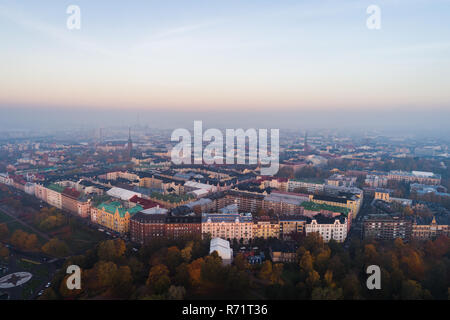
{"points": [[19, 182], [69, 198], [72, 202], [145, 203]]}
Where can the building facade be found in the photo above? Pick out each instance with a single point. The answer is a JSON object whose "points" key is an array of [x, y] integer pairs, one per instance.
{"points": [[429, 231], [266, 228], [114, 216], [228, 226], [415, 176], [387, 227], [329, 228]]}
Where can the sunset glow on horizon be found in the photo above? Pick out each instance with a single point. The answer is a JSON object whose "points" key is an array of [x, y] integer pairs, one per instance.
{"points": [[232, 55]]}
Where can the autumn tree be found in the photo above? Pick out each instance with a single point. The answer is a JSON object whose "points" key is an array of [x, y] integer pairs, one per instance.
{"points": [[266, 270], [110, 250], [370, 254], [158, 279], [176, 292], [24, 240], [195, 271], [240, 262], [182, 276], [4, 231], [106, 272], [413, 264], [322, 260], [137, 269], [412, 290], [328, 279], [327, 293], [123, 282], [313, 242], [351, 287], [313, 279], [186, 253], [306, 262], [173, 257], [285, 172], [55, 247], [277, 272], [212, 268], [52, 222], [4, 251]]}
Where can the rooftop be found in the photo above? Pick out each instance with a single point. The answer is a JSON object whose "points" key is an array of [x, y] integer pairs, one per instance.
{"points": [[230, 217], [330, 199], [114, 206], [55, 187], [172, 198], [312, 206]]}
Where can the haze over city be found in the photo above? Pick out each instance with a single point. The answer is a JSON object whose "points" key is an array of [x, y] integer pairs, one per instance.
{"points": [[254, 63]]}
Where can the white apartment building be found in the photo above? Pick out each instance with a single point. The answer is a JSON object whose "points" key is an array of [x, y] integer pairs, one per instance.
{"points": [[329, 228], [54, 198], [228, 226], [309, 186]]}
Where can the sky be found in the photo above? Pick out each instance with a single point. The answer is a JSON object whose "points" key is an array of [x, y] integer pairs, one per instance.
{"points": [[235, 58]]}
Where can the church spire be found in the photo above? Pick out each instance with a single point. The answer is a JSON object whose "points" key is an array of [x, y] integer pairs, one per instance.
{"points": [[130, 144], [305, 146]]}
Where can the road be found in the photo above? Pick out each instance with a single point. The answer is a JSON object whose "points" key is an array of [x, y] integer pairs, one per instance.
{"points": [[356, 230]]}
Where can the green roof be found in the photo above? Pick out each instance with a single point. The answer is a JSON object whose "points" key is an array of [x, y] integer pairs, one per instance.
{"points": [[56, 187], [309, 205], [308, 180], [114, 206]]}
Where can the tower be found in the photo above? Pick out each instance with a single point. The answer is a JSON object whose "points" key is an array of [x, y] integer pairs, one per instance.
{"points": [[129, 144], [306, 147]]}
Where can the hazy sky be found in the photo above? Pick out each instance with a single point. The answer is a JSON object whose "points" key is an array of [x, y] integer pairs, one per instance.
{"points": [[230, 56]]}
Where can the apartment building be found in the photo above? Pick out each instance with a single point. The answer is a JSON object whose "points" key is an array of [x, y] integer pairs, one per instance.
{"points": [[351, 202], [330, 228], [311, 187], [246, 201], [387, 227], [114, 216], [421, 177], [291, 226], [228, 226], [284, 203], [340, 180], [54, 197], [376, 181], [424, 229], [266, 228]]}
